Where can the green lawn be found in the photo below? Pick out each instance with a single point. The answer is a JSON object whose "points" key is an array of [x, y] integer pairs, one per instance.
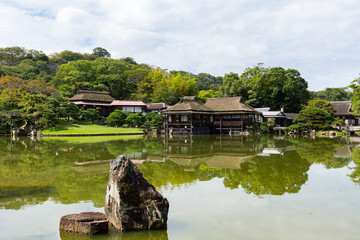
{"points": [[87, 128]]}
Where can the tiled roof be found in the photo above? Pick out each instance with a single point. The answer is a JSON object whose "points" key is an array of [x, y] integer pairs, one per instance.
{"points": [[127, 103]]}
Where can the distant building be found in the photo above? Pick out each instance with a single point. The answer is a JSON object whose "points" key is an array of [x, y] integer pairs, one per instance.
{"points": [[129, 106], [217, 115], [343, 111], [94, 99], [156, 107], [280, 118]]}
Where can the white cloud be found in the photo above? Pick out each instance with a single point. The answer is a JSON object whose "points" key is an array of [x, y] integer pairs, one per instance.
{"points": [[319, 38]]}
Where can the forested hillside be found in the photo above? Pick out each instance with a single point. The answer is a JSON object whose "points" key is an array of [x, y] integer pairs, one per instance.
{"points": [[38, 85]]}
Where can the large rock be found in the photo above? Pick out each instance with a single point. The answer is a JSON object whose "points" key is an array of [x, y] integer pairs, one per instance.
{"points": [[86, 223], [131, 203]]}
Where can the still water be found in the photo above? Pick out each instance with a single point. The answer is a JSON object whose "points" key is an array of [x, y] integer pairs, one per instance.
{"points": [[219, 187]]}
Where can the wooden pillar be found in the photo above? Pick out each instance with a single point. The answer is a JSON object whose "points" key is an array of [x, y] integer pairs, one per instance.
{"points": [[220, 124], [242, 122], [191, 124], [231, 123], [167, 124]]}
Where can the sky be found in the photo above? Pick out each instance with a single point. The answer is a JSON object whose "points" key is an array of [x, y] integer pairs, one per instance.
{"points": [[321, 39]]}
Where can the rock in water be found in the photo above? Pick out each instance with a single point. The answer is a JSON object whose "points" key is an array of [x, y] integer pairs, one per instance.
{"points": [[86, 223], [131, 203]]}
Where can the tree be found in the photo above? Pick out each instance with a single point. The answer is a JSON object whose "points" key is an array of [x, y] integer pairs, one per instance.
{"points": [[100, 75], [333, 94], [129, 60], [116, 118], [317, 115], [355, 99], [323, 104], [206, 81], [135, 119], [154, 119], [268, 87], [101, 52], [205, 94], [90, 114]]}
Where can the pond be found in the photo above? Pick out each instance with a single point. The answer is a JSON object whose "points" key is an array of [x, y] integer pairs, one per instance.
{"points": [[219, 187]]}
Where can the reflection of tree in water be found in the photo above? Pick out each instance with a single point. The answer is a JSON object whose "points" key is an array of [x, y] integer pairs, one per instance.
{"points": [[355, 175], [320, 150], [273, 175], [169, 173]]}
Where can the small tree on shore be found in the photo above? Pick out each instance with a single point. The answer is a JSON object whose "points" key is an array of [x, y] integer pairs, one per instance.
{"points": [[90, 114], [154, 120], [116, 118], [317, 115], [135, 120]]}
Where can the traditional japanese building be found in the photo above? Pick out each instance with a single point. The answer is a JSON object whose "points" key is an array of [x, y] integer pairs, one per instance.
{"points": [[343, 111], [94, 99], [129, 106], [217, 115], [156, 107]]}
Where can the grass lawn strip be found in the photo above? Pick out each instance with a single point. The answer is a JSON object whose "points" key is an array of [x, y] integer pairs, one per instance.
{"points": [[66, 128]]}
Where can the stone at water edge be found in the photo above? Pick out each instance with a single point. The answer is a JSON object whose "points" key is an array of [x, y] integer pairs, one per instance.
{"points": [[131, 203], [85, 223]]}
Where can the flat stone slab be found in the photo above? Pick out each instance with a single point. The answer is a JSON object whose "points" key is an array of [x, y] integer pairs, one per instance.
{"points": [[85, 223]]}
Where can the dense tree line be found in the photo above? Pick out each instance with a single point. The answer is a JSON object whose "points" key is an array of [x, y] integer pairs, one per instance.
{"points": [[37, 84]]}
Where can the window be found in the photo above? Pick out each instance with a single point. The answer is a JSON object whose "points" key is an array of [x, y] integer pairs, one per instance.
{"points": [[138, 109], [128, 109], [184, 118]]}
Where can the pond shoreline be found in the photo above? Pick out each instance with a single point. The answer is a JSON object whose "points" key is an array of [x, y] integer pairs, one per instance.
{"points": [[91, 135]]}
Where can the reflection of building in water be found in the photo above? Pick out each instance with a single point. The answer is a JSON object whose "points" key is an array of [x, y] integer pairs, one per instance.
{"points": [[214, 151], [279, 151]]}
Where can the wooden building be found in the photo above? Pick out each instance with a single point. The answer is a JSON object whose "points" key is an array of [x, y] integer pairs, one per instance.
{"points": [[343, 111], [129, 106], [156, 107], [217, 115], [94, 99]]}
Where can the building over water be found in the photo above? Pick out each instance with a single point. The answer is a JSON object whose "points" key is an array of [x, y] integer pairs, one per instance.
{"points": [[217, 115]]}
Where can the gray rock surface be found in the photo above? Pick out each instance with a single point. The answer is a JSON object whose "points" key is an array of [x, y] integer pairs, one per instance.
{"points": [[85, 223], [131, 203]]}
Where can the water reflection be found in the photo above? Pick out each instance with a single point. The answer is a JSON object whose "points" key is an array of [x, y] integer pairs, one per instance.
{"points": [[114, 235], [32, 172]]}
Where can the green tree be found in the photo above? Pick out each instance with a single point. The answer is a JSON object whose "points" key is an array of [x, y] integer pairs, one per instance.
{"points": [[101, 52], [173, 87], [206, 81], [317, 115], [12, 54], [135, 119], [154, 119], [116, 118], [355, 99], [101, 75], [90, 114], [205, 94], [268, 87], [333, 94]]}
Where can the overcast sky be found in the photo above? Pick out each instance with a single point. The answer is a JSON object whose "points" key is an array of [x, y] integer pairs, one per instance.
{"points": [[318, 38]]}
